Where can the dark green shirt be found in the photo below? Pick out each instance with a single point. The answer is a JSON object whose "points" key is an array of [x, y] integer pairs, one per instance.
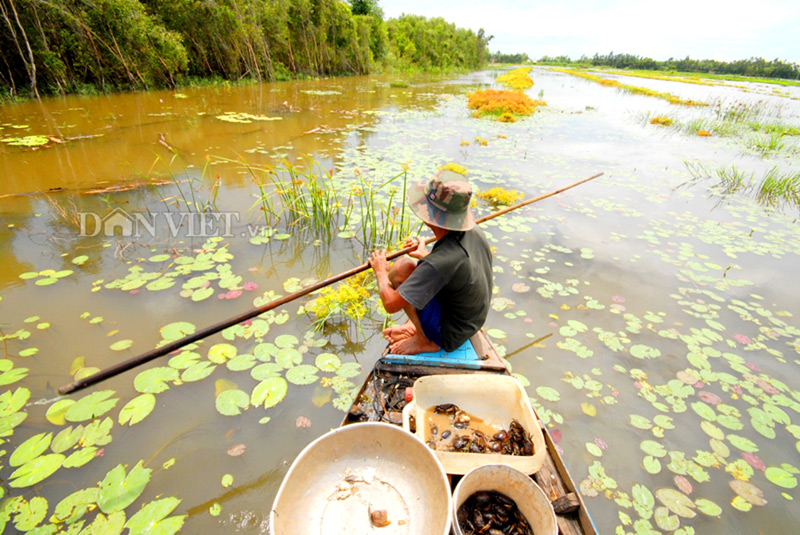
{"points": [[458, 271]]}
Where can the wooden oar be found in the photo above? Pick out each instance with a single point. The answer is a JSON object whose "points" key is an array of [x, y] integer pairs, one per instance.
{"points": [[213, 329]]}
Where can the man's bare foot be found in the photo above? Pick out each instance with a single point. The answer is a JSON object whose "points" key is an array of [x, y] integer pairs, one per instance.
{"points": [[413, 345], [395, 333]]}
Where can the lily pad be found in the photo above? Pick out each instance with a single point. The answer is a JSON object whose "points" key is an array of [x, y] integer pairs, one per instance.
{"points": [[220, 353], [152, 519], [80, 457], [349, 370], [118, 490], [748, 492], [269, 392], [121, 345], [328, 362], [232, 402], [177, 330], [304, 374], [66, 438], [36, 470], [779, 477], [30, 449], [677, 502], [137, 409], [198, 372], [154, 380], [91, 406], [288, 357], [55, 414]]}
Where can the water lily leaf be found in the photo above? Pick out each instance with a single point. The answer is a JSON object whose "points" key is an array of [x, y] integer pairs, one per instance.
{"points": [[640, 422], [163, 283], [227, 480], [640, 351], [154, 380], [232, 402], [742, 443], [12, 376], [349, 370], [664, 520], [97, 433], [177, 330], [80, 260], [327, 362], [241, 362], [152, 518], [30, 513], [220, 353], [266, 370], [66, 438], [11, 402], [159, 258], [651, 447], [138, 408], [304, 374], [121, 345], [286, 340], [677, 502], [589, 409], [707, 507], [497, 333], [202, 294], [91, 406], [651, 464], [215, 509], [118, 491], [548, 393], [112, 524], [288, 357], [779, 477], [199, 371], [704, 411], [74, 506], [269, 392], [748, 492], [80, 457], [7, 423], [46, 281], [30, 449], [36, 470], [29, 352], [184, 360]]}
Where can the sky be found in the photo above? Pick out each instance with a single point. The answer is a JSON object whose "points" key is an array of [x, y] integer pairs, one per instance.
{"points": [[701, 29]]}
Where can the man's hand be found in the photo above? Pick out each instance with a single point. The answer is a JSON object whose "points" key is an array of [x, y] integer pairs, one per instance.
{"points": [[392, 301], [421, 250], [378, 262]]}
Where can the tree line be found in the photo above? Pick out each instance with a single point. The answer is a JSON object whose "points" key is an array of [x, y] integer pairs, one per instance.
{"points": [[65, 46], [753, 67]]}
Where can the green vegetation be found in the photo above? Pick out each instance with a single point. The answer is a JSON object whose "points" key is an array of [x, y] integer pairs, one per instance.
{"points": [[774, 190], [499, 57], [90, 45], [750, 68]]}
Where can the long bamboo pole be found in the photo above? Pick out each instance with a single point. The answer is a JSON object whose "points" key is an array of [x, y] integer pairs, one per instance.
{"points": [[213, 329]]}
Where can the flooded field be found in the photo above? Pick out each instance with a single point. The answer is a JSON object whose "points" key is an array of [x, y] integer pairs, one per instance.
{"points": [[651, 313]]}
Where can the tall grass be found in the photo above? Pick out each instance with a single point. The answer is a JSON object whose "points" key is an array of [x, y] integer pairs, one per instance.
{"points": [[307, 196], [775, 190]]}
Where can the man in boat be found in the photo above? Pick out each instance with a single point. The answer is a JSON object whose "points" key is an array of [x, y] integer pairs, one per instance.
{"points": [[447, 295]]}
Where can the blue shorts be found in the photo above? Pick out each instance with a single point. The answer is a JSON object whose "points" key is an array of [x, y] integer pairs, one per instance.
{"points": [[431, 319]]}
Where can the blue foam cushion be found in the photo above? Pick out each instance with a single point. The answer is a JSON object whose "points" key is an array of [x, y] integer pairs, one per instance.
{"points": [[464, 354]]}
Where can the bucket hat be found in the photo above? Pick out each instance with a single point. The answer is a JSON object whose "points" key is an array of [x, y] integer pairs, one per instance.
{"points": [[443, 201]]}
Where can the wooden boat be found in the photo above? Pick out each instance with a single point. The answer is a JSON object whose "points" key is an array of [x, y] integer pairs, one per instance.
{"points": [[382, 398]]}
